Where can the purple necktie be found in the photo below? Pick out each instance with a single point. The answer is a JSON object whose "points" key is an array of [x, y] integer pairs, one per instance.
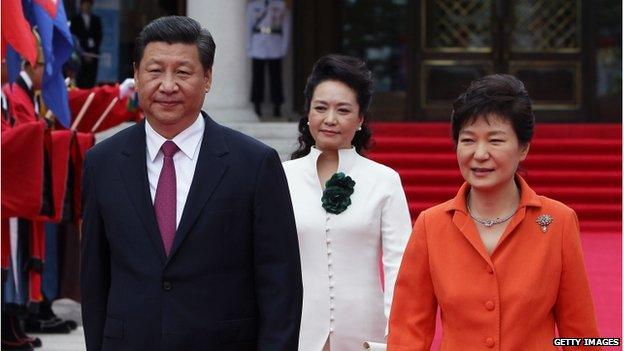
{"points": [[165, 199]]}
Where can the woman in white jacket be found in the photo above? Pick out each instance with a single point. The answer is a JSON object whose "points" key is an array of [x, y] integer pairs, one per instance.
{"points": [[350, 212]]}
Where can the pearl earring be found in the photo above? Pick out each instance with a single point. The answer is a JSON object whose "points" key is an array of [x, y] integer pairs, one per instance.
{"points": [[359, 128], [308, 123]]}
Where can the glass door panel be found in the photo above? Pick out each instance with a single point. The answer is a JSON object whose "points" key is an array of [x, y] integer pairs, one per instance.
{"points": [[376, 31]]}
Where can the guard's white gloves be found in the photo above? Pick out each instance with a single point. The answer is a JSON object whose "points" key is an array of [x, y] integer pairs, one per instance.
{"points": [[126, 88]]}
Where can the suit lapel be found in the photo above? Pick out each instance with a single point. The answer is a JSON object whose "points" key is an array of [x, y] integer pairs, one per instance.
{"points": [[208, 174], [133, 170]]}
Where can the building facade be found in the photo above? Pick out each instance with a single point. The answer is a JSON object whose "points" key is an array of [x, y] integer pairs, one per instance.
{"points": [[423, 52]]}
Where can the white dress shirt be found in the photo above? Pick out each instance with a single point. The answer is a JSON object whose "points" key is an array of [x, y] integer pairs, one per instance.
{"points": [[343, 297], [185, 160]]}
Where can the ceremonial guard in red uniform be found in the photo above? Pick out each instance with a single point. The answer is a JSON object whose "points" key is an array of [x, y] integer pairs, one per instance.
{"points": [[124, 109], [87, 27], [109, 106], [23, 194]]}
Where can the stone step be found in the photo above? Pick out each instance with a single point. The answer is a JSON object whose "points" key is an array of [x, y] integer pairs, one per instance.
{"points": [[267, 130], [282, 136]]}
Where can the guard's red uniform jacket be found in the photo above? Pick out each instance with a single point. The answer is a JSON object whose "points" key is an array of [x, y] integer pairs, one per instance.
{"points": [[21, 101], [22, 165], [81, 143], [24, 193], [22, 185], [36, 161], [123, 111]]}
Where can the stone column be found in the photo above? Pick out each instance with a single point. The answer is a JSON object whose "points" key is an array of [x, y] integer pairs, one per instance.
{"points": [[228, 99]]}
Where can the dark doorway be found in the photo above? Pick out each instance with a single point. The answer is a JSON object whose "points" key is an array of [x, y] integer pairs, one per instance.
{"points": [[134, 15], [425, 52]]}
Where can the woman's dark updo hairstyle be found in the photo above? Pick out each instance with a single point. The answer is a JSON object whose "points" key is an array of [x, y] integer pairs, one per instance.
{"points": [[356, 75], [500, 94]]}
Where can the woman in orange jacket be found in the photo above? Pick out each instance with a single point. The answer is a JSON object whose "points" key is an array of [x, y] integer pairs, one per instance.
{"points": [[503, 264]]}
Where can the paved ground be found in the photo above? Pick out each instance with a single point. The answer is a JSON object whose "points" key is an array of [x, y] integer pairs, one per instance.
{"points": [[66, 309], [65, 342]]}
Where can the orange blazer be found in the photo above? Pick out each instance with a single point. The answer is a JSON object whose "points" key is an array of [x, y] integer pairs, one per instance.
{"points": [[510, 300]]}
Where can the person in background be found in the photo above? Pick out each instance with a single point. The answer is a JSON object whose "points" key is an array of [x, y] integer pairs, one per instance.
{"points": [[351, 212], [88, 28], [503, 264], [23, 200], [268, 34]]}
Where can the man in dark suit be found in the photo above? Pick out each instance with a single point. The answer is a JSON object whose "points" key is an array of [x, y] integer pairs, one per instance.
{"points": [[87, 27], [189, 239]]}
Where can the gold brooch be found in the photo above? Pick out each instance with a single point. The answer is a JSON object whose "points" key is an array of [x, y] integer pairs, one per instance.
{"points": [[544, 221]]}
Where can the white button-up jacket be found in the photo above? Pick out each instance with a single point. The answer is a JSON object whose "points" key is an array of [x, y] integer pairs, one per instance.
{"points": [[343, 295]]}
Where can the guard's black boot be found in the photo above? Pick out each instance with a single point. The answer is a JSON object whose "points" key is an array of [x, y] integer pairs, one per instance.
{"points": [[11, 341]]}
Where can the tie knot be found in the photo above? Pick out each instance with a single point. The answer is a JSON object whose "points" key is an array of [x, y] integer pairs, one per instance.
{"points": [[169, 148]]}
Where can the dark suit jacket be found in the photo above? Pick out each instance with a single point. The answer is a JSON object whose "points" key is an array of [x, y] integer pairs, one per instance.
{"points": [[233, 278], [80, 30]]}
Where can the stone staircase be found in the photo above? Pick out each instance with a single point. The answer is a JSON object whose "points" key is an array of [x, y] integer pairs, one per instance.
{"points": [[578, 164], [282, 136]]}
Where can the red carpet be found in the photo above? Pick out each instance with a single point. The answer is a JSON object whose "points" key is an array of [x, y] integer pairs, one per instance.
{"points": [[580, 165]]}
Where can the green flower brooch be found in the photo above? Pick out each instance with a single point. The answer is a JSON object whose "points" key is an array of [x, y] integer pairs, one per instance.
{"points": [[337, 195]]}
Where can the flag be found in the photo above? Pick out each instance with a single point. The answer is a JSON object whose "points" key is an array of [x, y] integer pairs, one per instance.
{"points": [[16, 32], [13, 62], [51, 21], [49, 6]]}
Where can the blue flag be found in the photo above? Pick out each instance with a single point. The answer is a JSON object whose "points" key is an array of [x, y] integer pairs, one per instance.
{"points": [[51, 21], [13, 62]]}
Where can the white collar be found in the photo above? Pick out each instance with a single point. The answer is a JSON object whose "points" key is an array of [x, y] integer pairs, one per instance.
{"points": [[26, 79], [346, 158], [188, 140]]}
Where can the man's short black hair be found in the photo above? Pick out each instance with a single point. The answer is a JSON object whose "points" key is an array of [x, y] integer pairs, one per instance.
{"points": [[177, 29]]}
